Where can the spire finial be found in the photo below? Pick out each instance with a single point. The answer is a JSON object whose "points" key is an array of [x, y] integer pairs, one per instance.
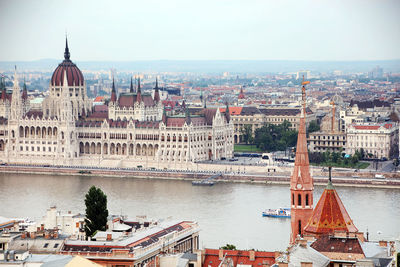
{"points": [[66, 52], [156, 82]]}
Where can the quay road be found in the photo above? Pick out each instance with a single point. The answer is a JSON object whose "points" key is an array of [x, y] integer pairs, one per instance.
{"points": [[340, 178]]}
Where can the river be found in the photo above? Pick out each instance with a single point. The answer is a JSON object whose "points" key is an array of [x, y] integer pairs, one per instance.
{"points": [[227, 212]]}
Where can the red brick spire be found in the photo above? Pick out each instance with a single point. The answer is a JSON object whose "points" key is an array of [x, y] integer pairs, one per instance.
{"points": [[241, 94], [301, 182]]}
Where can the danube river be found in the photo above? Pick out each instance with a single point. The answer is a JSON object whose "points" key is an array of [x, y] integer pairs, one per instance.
{"points": [[226, 212]]}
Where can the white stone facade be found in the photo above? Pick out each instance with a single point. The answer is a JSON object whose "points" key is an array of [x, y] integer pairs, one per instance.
{"points": [[379, 140], [135, 134]]}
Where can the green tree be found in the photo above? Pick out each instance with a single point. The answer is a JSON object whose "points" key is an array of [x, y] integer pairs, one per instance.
{"points": [[313, 126], [96, 211], [228, 247], [247, 133]]}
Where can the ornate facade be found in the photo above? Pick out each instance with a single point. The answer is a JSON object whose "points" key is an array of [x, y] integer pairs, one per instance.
{"points": [[135, 132]]}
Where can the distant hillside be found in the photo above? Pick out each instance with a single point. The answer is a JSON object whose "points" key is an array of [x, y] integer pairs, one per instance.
{"points": [[211, 66]]}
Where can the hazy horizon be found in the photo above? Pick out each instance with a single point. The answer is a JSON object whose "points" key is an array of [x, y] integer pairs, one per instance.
{"points": [[307, 30]]}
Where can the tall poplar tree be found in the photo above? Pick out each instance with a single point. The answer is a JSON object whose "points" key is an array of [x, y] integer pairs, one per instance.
{"points": [[96, 211]]}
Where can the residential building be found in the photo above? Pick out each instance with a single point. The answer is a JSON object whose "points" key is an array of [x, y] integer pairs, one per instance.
{"points": [[140, 247]]}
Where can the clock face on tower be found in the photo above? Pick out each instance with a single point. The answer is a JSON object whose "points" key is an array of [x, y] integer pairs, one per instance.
{"points": [[298, 186]]}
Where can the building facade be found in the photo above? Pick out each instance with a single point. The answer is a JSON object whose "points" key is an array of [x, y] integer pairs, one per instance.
{"points": [[377, 140], [134, 132]]}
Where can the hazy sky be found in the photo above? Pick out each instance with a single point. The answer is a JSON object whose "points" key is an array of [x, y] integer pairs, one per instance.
{"points": [[203, 29]]}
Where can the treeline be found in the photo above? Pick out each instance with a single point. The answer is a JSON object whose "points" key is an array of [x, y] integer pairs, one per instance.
{"points": [[272, 137]]}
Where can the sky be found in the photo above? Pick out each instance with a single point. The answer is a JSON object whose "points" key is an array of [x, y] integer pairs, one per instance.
{"points": [[312, 30]]}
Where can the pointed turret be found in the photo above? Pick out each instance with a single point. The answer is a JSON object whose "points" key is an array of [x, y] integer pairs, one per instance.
{"points": [[66, 52], [3, 89], [241, 94], [329, 214], [139, 93], [188, 119], [24, 92], [16, 105], [301, 182], [227, 114], [164, 116], [113, 92], [156, 92], [131, 87]]}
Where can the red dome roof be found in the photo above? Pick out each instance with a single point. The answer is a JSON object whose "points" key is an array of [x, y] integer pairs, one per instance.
{"points": [[74, 74]]}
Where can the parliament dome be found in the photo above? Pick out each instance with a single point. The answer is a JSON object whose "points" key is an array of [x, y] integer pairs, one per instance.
{"points": [[74, 74]]}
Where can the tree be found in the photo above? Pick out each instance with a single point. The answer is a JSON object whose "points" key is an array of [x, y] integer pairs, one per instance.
{"points": [[228, 247], [313, 126], [96, 211], [247, 133]]}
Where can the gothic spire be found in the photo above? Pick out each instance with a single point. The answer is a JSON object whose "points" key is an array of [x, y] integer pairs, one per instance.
{"points": [[66, 52], [156, 92], [227, 113], [131, 88], [113, 92], [24, 91], [139, 93]]}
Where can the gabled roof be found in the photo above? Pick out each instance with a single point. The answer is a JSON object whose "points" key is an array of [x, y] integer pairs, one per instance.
{"points": [[330, 215], [232, 110]]}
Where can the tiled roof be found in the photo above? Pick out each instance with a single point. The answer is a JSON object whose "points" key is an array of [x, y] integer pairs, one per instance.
{"points": [[369, 104], [232, 110], [328, 243], [284, 111], [330, 215], [239, 257], [373, 127]]}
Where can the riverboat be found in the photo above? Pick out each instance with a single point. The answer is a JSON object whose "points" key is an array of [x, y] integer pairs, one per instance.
{"points": [[203, 182], [277, 213]]}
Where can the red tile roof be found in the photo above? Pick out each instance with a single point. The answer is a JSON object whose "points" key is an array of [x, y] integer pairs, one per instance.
{"points": [[242, 257], [232, 110], [329, 215]]}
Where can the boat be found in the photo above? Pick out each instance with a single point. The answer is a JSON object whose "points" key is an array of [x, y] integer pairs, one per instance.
{"points": [[203, 182], [277, 213]]}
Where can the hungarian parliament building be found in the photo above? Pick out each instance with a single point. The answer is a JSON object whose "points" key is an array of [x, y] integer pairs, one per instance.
{"points": [[135, 131]]}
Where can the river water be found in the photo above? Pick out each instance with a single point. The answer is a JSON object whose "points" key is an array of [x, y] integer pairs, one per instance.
{"points": [[227, 212]]}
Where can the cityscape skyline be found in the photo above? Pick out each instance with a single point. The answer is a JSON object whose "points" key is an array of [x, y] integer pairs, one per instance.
{"points": [[153, 30]]}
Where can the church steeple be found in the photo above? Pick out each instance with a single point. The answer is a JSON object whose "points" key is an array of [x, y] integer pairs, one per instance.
{"points": [[301, 182], [227, 114]]}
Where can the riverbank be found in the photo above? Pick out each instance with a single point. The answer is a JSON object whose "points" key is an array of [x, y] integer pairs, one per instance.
{"points": [[320, 178]]}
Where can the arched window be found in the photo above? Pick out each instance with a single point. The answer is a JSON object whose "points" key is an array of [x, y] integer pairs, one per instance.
{"points": [[307, 200], [299, 200], [299, 228]]}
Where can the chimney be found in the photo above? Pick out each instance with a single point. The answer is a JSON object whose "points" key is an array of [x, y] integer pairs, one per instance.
{"points": [[23, 235], [306, 264], [252, 255], [220, 254], [69, 212], [55, 235], [38, 229], [33, 235], [42, 227], [109, 237], [283, 264], [47, 235]]}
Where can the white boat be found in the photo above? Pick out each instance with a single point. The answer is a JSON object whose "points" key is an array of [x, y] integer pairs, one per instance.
{"points": [[277, 213]]}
